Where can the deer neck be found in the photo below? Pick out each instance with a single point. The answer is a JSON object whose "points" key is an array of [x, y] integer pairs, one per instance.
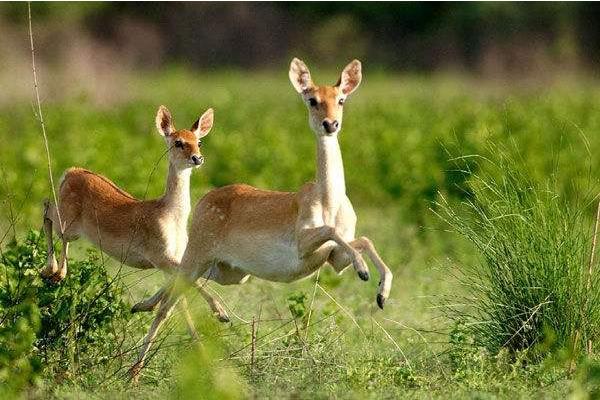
{"points": [[177, 194], [330, 172]]}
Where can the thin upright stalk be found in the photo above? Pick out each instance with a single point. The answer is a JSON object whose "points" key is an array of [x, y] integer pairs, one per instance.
{"points": [[588, 287], [41, 117], [253, 348], [590, 272]]}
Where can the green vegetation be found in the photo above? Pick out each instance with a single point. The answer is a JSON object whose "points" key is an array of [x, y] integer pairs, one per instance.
{"points": [[531, 291], [56, 330], [525, 224]]}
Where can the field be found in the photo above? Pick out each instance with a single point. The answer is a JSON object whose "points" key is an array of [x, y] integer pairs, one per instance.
{"points": [[401, 140]]}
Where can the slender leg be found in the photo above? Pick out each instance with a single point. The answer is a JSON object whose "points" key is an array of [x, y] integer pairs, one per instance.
{"points": [[150, 303], [364, 244], [312, 238], [62, 271], [172, 293], [216, 307], [164, 311], [188, 319], [51, 264], [340, 260]]}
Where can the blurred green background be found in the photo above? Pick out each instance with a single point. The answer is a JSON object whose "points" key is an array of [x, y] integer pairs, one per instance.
{"points": [[440, 81], [490, 37]]}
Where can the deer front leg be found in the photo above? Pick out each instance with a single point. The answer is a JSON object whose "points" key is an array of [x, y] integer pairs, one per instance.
{"points": [[364, 244], [339, 260], [149, 305], [310, 239]]}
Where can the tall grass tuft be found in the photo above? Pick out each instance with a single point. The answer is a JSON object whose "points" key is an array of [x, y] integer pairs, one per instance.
{"points": [[528, 290]]}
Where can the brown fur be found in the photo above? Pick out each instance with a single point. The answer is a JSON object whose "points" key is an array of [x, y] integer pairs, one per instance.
{"points": [[190, 142], [327, 106], [243, 206], [92, 203]]}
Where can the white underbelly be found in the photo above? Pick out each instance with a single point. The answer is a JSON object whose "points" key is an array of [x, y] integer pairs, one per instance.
{"points": [[266, 257]]}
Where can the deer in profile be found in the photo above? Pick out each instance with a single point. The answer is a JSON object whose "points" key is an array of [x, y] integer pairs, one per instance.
{"points": [[139, 233], [240, 230]]}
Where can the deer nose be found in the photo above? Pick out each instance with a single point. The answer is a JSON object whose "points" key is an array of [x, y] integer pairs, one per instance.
{"points": [[198, 160], [330, 127]]}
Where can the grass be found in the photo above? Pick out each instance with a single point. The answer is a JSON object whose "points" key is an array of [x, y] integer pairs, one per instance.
{"points": [[398, 137], [531, 290]]}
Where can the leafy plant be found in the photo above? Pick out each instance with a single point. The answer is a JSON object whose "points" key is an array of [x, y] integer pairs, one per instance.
{"points": [[296, 304], [55, 328]]}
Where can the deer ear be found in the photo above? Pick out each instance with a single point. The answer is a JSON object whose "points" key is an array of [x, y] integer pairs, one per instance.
{"points": [[350, 78], [164, 121], [204, 124], [300, 76]]}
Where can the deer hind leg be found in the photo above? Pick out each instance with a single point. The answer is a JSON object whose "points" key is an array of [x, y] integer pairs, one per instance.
{"points": [[222, 274], [310, 239], [164, 311], [172, 293], [54, 271], [215, 306], [339, 260], [51, 264], [62, 264], [189, 321], [150, 303]]}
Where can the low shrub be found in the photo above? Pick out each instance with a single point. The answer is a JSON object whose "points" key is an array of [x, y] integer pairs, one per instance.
{"points": [[55, 329]]}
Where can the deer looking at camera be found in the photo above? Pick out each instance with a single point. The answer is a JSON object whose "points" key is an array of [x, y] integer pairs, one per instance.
{"points": [[239, 230], [141, 234]]}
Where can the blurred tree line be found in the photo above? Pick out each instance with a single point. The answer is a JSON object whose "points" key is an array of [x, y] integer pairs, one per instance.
{"points": [[489, 38]]}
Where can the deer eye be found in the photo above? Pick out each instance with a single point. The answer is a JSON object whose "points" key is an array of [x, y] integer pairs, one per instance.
{"points": [[199, 143], [341, 102], [179, 143], [312, 101]]}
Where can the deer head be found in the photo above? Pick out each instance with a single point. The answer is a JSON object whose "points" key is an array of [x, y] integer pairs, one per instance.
{"points": [[184, 145], [325, 103]]}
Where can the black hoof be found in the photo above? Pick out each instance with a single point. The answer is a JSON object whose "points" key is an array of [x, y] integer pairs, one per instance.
{"points": [[223, 318], [363, 275], [136, 309], [50, 280], [380, 301]]}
